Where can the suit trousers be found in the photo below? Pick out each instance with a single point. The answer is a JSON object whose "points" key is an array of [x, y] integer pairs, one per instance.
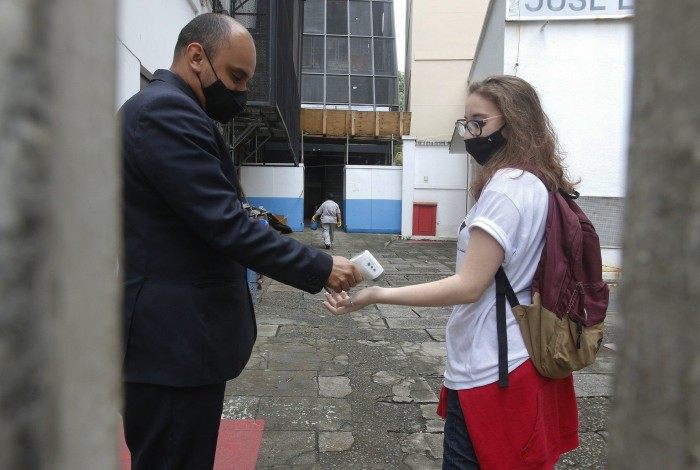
{"points": [[172, 428]]}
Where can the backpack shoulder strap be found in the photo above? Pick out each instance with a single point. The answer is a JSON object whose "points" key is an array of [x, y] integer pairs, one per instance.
{"points": [[503, 290]]}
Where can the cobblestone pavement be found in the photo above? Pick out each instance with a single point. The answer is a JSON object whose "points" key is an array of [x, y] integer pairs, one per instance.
{"points": [[360, 391]]}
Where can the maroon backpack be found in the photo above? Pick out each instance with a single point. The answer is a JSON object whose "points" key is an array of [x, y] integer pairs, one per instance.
{"points": [[563, 328]]}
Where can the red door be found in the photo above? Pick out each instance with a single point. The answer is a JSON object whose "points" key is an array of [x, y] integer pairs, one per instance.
{"points": [[424, 218]]}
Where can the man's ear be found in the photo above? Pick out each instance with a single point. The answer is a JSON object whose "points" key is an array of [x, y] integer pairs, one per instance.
{"points": [[195, 57]]}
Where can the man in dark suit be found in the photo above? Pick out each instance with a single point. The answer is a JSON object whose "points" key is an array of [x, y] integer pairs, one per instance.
{"points": [[188, 317]]}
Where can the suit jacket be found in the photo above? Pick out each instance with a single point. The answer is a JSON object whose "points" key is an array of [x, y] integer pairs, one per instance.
{"points": [[188, 315]]}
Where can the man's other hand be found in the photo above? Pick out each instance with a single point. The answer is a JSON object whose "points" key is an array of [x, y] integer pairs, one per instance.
{"points": [[344, 275]]}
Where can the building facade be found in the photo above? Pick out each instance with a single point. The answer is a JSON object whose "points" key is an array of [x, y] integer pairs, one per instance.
{"points": [[442, 36], [578, 55], [349, 55], [349, 66]]}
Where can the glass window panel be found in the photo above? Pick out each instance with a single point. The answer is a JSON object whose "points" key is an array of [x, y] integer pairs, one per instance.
{"points": [[313, 16], [382, 17], [384, 57], [361, 90], [336, 55], [359, 18], [312, 88], [337, 89], [385, 91], [361, 55], [313, 52], [337, 19]]}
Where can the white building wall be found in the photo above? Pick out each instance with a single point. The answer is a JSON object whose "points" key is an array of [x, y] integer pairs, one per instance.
{"points": [[373, 198], [146, 34], [432, 174], [279, 189], [441, 177], [408, 185], [128, 74], [582, 71], [273, 181], [373, 182]]}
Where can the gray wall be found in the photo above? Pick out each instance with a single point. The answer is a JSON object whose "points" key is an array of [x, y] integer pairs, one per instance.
{"points": [[59, 236], [489, 54], [606, 215]]}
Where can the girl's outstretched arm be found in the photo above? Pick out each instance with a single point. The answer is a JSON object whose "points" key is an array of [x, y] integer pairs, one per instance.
{"points": [[482, 258]]}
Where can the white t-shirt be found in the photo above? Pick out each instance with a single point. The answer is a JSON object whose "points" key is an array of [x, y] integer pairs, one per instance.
{"points": [[512, 209], [329, 212]]}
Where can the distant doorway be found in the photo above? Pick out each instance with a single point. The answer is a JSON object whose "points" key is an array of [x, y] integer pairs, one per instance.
{"points": [[323, 174], [424, 218]]}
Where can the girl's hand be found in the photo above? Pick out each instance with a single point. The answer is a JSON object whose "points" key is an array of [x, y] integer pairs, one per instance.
{"points": [[342, 303]]}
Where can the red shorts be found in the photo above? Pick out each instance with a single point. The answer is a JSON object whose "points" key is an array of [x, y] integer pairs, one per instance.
{"points": [[527, 425]]}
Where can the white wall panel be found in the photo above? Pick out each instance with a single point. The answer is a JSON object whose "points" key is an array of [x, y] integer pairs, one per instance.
{"points": [[149, 28], [128, 74], [373, 182], [442, 178], [358, 183], [582, 71], [435, 167], [273, 181]]}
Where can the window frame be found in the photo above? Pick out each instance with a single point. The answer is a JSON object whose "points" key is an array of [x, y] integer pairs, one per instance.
{"points": [[349, 74]]}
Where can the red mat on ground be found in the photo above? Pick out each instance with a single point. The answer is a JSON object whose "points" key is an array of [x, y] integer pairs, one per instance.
{"points": [[237, 447]]}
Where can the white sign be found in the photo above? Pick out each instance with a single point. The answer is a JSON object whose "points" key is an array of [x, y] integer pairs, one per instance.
{"points": [[525, 10]]}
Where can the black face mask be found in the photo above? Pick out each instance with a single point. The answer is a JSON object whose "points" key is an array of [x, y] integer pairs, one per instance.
{"points": [[222, 104], [483, 148]]}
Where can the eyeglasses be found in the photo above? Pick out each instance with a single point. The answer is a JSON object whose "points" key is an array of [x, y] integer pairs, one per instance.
{"points": [[473, 126]]}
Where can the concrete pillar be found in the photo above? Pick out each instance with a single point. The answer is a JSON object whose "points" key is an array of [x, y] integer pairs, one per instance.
{"points": [[655, 421], [408, 183], [59, 232]]}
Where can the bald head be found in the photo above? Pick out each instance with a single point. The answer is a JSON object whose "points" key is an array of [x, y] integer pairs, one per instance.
{"points": [[212, 31], [214, 47]]}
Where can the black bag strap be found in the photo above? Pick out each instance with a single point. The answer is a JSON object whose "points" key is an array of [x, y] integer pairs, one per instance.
{"points": [[503, 290]]}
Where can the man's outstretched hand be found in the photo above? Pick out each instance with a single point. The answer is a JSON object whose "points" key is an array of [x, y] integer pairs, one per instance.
{"points": [[344, 275]]}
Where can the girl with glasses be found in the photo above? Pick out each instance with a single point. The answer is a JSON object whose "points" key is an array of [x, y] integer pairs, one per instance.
{"points": [[529, 424]]}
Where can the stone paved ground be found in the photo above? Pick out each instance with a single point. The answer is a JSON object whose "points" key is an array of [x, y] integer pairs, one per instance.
{"points": [[360, 391]]}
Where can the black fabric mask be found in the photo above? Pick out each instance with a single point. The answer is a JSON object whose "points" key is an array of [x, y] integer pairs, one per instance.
{"points": [[483, 148], [222, 104]]}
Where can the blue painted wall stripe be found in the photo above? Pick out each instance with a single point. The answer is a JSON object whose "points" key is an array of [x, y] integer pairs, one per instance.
{"points": [[373, 215], [361, 215], [291, 207]]}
